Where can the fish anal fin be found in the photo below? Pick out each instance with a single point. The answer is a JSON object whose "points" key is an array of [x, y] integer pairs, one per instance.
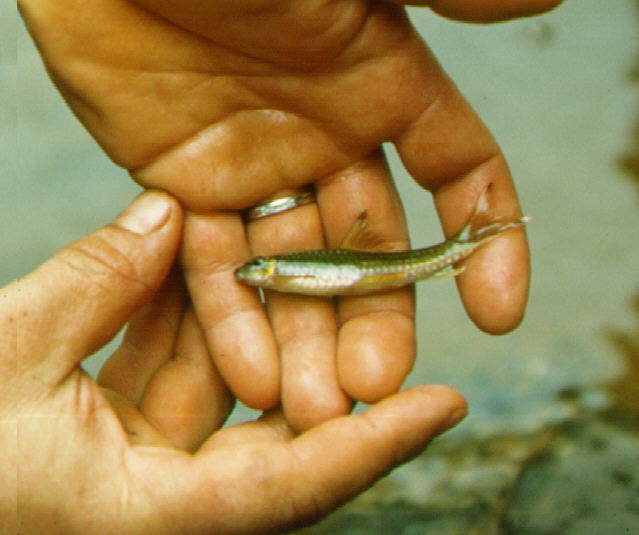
{"points": [[360, 237]]}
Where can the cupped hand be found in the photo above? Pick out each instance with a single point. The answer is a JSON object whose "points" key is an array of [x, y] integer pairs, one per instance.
{"points": [[78, 458], [227, 103]]}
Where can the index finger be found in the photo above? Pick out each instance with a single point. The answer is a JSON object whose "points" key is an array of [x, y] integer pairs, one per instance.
{"points": [[233, 319]]}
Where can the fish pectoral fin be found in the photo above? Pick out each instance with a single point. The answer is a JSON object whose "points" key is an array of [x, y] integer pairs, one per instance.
{"points": [[360, 237], [448, 272]]}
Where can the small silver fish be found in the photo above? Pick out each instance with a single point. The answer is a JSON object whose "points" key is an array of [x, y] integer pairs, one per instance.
{"points": [[350, 270]]}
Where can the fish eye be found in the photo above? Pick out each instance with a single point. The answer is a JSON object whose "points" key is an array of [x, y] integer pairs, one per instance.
{"points": [[260, 265]]}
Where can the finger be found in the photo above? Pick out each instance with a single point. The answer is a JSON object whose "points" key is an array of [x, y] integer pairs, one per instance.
{"points": [[234, 322], [308, 477], [138, 429], [494, 286], [305, 327], [458, 164], [376, 342], [77, 301], [272, 426], [187, 400], [485, 10], [149, 341], [345, 456]]}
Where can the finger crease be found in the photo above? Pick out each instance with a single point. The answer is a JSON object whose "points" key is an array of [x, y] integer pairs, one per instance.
{"points": [[378, 312], [111, 269], [304, 336]]}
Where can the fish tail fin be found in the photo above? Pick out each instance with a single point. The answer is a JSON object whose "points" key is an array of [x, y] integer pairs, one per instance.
{"points": [[468, 234], [488, 232]]}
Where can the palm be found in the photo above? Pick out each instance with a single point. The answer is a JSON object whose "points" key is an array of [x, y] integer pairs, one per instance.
{"points": [[84, 468], [227, 103], [207, 87]]}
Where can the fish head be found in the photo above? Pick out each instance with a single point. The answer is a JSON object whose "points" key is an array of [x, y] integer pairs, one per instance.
{"points": [[257, 272]]}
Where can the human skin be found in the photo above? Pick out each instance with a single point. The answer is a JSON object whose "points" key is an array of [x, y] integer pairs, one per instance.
{"points": [[225, 104], [76, 458]]}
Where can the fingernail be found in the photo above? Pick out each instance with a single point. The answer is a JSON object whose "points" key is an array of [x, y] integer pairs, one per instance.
{"points": [[145, 214]]}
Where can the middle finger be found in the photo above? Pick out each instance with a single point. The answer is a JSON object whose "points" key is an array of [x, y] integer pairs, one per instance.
{"points": [[304, 327]]}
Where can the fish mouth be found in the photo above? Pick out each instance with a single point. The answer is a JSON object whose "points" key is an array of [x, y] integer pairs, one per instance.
{"points": [[241, 273]]}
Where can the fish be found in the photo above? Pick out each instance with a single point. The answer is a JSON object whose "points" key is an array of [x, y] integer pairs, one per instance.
{"points": [[357, 268]]}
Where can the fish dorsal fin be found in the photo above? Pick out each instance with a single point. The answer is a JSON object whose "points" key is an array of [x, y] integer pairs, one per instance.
{"points": [[361, 237]]}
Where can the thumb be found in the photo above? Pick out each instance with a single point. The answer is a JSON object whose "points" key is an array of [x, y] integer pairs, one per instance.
{"points": [[79, 299]]}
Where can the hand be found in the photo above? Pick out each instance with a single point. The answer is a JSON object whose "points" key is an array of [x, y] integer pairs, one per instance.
{"points": [[227, 103], [75, 463]]}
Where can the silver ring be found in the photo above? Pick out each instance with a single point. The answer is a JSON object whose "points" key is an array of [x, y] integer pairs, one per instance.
{"points": [[279, 205]]}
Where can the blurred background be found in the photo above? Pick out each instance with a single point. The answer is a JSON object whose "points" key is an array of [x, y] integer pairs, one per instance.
{"points": [[552, 441]]}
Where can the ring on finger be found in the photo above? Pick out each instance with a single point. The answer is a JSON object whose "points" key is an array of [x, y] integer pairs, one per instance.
{"points": [[279, 204]]}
